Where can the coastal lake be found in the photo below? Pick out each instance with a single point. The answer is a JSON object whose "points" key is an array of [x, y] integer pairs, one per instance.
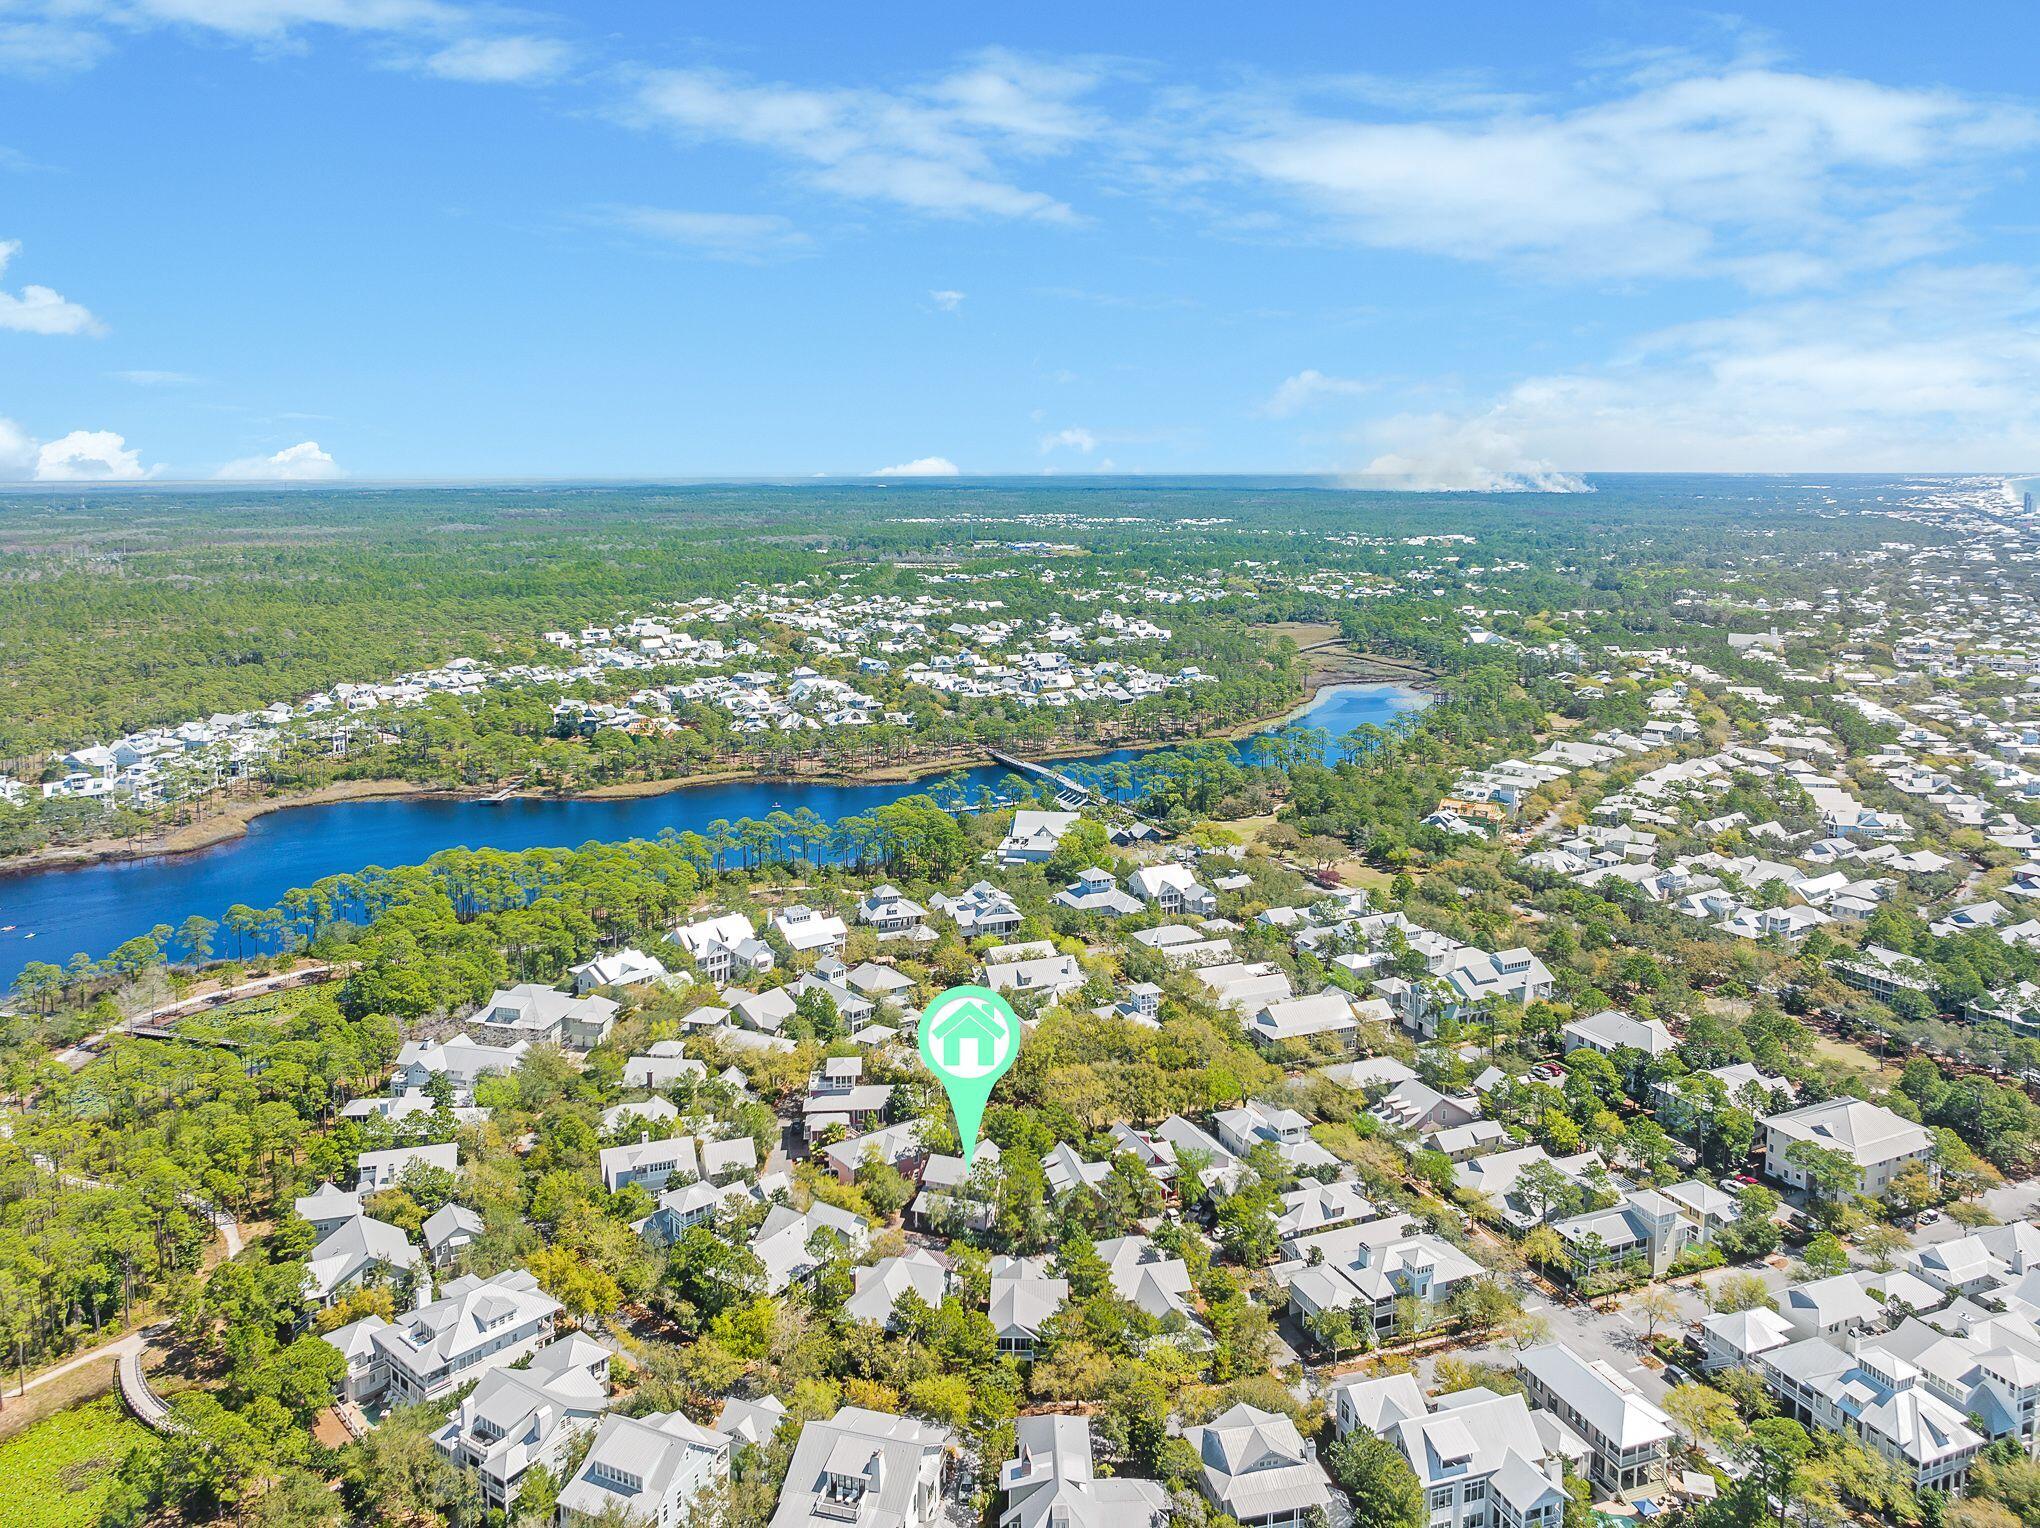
{"points": [[57, 912]]}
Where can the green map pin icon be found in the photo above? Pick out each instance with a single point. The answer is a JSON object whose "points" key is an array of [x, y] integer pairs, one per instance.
{"points": [[969, 1038]]}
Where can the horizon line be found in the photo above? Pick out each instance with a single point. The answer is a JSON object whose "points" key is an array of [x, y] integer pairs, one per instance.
{"points": [[875, 480]]}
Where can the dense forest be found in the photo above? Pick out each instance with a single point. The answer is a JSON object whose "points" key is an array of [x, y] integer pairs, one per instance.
{"points": [[120, 610]]}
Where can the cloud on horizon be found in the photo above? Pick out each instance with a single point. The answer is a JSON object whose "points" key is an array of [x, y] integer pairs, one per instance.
{"points": [[90, 456], [1937, 370], [301, 463]]}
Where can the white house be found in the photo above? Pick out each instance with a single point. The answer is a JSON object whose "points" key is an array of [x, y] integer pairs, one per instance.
{"points": [[1879, 1142], [1626, 1435], [1254, 1466], [892, 914], [516, 1418], [627, 967], [880, 1286], [1023, 1296], [806, 930], [648, 1470], [1329, 1012], [378, 1170], [1051, 1482], [1173, 889], [1483, 1461], [1612, 1030], [1367, 1269], [982, 910], [864, 1468], [724, 948], [461, 1060], [539, 1015], [1034, 835], [357, 1250], [1872, 1392], [476, 1324]]}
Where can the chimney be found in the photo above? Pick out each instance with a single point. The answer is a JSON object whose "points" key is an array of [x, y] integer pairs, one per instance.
{"points": [[424, 1294]]}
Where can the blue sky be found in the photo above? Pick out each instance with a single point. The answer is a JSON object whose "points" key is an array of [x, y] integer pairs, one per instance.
{"points": [[1485, 245]]}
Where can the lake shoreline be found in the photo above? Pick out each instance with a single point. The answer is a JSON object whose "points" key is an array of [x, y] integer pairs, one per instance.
{"points": [[231, 821]]}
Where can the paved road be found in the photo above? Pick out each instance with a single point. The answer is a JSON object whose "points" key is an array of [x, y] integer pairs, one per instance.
{"points": [[122, 1348]]}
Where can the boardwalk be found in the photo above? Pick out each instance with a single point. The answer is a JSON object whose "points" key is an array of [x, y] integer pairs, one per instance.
{"points": [[135, 1394], [1069, 793], [280, 981]]}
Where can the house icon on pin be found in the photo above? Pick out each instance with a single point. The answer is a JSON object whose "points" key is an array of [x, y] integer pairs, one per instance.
{"points": [[969, 1041]]}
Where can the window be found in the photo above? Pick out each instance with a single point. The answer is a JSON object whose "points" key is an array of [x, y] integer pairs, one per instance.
{"points": [[1441, 1496]]}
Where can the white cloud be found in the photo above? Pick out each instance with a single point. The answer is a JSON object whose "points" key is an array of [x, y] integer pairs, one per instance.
{"points": [[1076, 438], [87, 456], [37, 309], [947, 300], [1939, 371], [54, 46], [17, 451], [155, 378], [301, 463], [60, 35], [719, 235], [938, 147], [520, 59], [1306, 390], [924, 466], [270, 19], [1772, 177]]}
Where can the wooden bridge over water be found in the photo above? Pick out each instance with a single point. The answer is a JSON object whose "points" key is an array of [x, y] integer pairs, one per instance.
{"points": [[1069, 794]]}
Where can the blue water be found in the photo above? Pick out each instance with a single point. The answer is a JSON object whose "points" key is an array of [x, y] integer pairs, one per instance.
{"points": [[92, 908]]}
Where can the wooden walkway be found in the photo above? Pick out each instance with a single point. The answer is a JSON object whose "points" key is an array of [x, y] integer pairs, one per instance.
{"points": [[146, 1406], [1069, 795]]}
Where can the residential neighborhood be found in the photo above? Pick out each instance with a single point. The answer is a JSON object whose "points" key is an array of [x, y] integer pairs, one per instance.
{"points": [[1639, 1123]]}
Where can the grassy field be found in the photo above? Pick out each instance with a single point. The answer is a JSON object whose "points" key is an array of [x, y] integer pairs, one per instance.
{"points": [[1848, 1054], [1351, 872], [58, 1471]]}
